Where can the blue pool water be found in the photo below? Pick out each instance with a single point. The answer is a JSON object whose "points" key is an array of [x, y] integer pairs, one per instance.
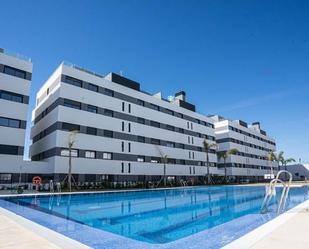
{"points": [[157, 217]]}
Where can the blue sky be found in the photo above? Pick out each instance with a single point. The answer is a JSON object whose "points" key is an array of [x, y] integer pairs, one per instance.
{"points": [[243, 59]]}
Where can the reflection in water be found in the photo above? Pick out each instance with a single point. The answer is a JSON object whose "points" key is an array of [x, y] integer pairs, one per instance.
{"points": [[163, 216]]}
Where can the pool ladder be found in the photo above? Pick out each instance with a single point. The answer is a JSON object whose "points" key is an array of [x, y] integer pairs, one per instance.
{"points": [[270, 192]]}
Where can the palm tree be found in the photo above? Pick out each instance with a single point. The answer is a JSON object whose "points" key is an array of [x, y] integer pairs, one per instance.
{"points": [[284, 161], [207, 147], [71, 142], [272, 156], [224, 155]]}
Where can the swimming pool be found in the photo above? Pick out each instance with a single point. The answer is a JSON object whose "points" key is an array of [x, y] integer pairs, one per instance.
{"points": [[172, 218]]}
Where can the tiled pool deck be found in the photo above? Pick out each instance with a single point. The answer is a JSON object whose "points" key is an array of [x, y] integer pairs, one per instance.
{"points": [[67, 231]]}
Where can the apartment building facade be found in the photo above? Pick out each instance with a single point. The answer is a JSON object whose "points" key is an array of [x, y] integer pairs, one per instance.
{"points": [[253, 145], [15, 81], [118, 131]]}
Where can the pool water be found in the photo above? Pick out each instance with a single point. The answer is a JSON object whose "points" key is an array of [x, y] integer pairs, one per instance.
{"points": [[160, 216]]}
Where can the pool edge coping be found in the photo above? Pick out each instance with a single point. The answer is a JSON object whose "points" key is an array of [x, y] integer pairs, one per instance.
{"points": [[53, 237], [251, 238]]}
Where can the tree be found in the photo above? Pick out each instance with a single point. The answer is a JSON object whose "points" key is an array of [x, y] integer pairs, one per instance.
{"points": [[71, 142], [272, 156], [207, 147], [224, 155], [284, 161], [164, 160]]}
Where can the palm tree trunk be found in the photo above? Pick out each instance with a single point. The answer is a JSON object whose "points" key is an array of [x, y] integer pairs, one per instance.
{"points": [[208, 174], [70, 171], [164, 179], [225, 171]]}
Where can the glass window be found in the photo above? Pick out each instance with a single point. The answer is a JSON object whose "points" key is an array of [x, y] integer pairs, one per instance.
{"points": [[14, 123], [92, 108], [123, 106], [155, 141], [140, 102], [141, 159], [11, 96], [169, 127], [108, 112], [108, 133], [73, 81], [72, 104], [8, 149], [129, 108], [155, 124], [155, 160], [70, 127], [170, 144], [141, 139], [90, 154], [15, 72], [109, 92], [141, 120], [107, 155], [170, 112], [91, 131], [93, 87], [66, 152], [155, 107], [4, 121]]}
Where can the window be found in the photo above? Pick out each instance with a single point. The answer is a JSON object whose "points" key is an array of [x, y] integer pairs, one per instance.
{"points": [[182, 162], [192, 141], [141, 139], [192, 155], [189, 154], [72, 104], [14, 123], [155, 124], [108, 112], [181, 130], [8, 149], [141, 120], [109, 92], [140, 158], [171, 161], [170, 112], [108, 133], [107, 155], [129, 167], [170, 144], [129, 127], [154, 107], [129, 147], [129, 108], [122, 146], [123, 106], [11, 96], [170, 128], [191, 126], [93, 87], [188, 125], [90, 154], [140, 102], [14, 72], [155, 141], [5, 177], [155, 160], [122, 126], [66, 152], [122, 167], [73, 81], [92, 108], [70, 127], [188, 139], [92, 131]]}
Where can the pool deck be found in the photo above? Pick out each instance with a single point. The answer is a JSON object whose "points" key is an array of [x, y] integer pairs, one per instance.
{"points": [[289, 230]]}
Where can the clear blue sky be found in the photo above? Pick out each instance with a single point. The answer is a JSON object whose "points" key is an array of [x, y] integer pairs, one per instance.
{"points": [[243, 59]]}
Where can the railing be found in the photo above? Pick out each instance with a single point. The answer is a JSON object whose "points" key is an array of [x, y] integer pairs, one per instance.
{"points": [[14, 54], [69, 64], [270, 192]]}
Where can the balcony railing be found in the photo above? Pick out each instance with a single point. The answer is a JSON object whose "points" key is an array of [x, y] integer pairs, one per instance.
{"points": [[14, 54]]}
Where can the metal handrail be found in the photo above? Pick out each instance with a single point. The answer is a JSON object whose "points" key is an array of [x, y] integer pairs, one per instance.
{"points": [[271, 192]]}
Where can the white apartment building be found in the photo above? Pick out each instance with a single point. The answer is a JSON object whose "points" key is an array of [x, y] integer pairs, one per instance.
{"points": [[253, 145], [123, 132], [15, 80]]}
